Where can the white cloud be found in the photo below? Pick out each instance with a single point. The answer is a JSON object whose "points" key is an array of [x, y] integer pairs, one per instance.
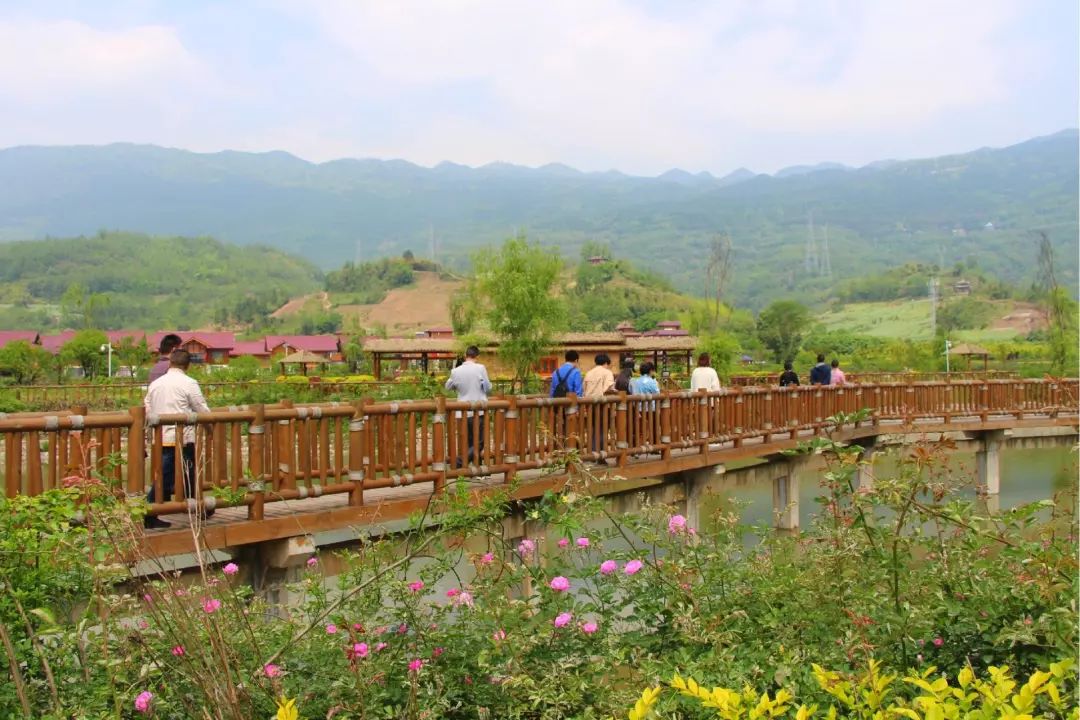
{"points": [[608, 76]]}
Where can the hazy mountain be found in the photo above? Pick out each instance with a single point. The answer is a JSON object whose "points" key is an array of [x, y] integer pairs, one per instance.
{"points": [[806, 169], [932, 210]]}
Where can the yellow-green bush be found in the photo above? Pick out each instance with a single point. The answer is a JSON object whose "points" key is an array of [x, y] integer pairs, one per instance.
{"points": [[872, 694]]}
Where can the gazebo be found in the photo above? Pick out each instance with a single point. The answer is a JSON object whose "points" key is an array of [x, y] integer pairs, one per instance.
{"points": [[302, 358], [970, 350]]}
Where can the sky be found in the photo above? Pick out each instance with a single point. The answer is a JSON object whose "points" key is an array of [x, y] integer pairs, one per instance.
{"points": [[641, 86]]}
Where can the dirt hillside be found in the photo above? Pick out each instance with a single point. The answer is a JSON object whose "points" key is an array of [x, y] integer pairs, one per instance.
{"points": [[422, 305]]}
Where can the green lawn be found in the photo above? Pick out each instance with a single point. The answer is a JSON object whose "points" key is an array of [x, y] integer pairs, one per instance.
{"points": [[903, 319]]}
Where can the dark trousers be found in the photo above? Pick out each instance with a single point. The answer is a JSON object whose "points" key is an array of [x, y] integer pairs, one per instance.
{"points": [[475, 448], [168, 472]]}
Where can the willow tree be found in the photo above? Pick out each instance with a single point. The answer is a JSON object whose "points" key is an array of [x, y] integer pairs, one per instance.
{"points": [[513, 291]]}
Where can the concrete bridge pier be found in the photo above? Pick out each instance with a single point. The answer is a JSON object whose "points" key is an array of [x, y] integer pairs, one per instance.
{"points": [[988, 462], [864, 472], [277, 564], [779, 472]]}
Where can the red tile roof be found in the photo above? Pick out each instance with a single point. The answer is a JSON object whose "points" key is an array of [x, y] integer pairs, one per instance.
{"points": [[212, 340], [7, 336], [310, 343], [53, 343], [249, 347]]}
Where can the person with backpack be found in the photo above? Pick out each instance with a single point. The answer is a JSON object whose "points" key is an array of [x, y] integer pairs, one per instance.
{"points": [[567, 379]]}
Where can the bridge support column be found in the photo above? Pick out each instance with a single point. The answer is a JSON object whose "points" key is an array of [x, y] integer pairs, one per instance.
{"points": [[785, 493], [988, 462], [277, 564], [864, 471], [695, 487]]}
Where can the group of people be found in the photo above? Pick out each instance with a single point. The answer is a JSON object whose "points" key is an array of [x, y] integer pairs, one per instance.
{"points": [[172, 391], [822, 373]]}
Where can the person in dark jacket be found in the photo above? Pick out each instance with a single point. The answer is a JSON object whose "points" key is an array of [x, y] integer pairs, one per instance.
{"points": [[789, 376], [820, 374]]}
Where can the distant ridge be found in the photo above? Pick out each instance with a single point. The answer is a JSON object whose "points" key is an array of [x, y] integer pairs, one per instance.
{"points": [[932, 210]]}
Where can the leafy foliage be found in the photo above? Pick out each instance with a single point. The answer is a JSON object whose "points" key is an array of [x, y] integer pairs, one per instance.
{"points": [[781, 327], [119, 280]]}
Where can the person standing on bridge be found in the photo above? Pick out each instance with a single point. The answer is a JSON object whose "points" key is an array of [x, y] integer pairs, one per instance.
{"points": [[470, 381], [836, 375], [168, 343], [175, 392], [599, 381], [820, 374], [789, 376], [704, 376], [567, 379]]}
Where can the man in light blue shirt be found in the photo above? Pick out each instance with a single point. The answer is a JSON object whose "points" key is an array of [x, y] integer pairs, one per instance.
{"points": [[567, 379], [470, 380]]}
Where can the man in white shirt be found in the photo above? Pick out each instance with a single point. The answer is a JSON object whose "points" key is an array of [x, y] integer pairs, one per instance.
{"points": [[470, 380], [175, 393]]}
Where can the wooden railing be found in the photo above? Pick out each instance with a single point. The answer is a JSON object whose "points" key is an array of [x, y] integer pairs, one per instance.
{"points": [[252, 455], [875, 378]]}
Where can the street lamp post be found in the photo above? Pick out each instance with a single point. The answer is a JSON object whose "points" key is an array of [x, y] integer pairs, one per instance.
{"points": [[947, 346], [107, 347]]}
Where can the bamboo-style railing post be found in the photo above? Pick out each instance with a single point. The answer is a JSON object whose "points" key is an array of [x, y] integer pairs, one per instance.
{"points": [[357, 444], [13, 464], [703, 420], [76, 450], [573, 423], [256, 449], [622, 436], [512, 430], [740, 417], [665, 426], [286, 448], [136, 451], [984, 401], [438, 443]]}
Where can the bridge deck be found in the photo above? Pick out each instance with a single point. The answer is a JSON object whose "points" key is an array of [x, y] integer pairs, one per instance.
{"points": [[230, 526]]}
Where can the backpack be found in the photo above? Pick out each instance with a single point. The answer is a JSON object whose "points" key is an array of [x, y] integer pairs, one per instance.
{"points": [[561, 388]]}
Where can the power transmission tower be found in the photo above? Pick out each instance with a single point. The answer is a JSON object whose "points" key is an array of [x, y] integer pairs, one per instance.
{"points": [[932, 286], [826, 259], [811, 261]]}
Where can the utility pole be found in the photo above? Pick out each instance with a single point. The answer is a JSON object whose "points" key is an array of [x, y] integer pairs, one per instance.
{"points": [[811, 260], [932, 286], [826, 260]]}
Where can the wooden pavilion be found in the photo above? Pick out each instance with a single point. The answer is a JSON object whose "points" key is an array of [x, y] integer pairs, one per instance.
{"points": [[970, 350]]}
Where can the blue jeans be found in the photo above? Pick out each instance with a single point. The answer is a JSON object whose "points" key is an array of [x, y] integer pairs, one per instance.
{"points": [[168, 472]]}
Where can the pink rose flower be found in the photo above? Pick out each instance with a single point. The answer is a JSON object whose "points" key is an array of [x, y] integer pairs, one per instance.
{"points": [[559, 584], [608, 566], [589, 627], [402, 629], [632, 567], [271, 670], [380, 646], [230, 569], [676, 524], [415, 665], [331, 629], [312, 561], [563, 542], [499, 635], [582, 542], [359, 650], [563, 619], [464, 598], [148, 598], [358, 627], [211, 605], [437, 652], [142, 701], [178, 651], [938, 642], [416, 586], [487, 558], [526, 548], [452, 593]]}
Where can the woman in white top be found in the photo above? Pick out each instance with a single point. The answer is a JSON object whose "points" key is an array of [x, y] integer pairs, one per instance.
{"points": [[704, 377]]}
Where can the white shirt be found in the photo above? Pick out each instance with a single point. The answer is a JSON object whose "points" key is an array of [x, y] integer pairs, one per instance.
{"points": [[704, 378], [172, 393], [470, 380]]}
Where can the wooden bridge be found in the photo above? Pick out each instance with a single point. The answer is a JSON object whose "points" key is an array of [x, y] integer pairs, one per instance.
{"points": [[280, 471]]}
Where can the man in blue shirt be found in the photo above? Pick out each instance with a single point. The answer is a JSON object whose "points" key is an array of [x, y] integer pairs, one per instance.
{"points": [[567, 379], [820, 374]]}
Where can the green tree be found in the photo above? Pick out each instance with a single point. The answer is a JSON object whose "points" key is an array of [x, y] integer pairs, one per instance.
{"points": [[133, 355], [723, 349], [84, 350], [781, 327], [23, 362], [513, 291], [82, 306]]}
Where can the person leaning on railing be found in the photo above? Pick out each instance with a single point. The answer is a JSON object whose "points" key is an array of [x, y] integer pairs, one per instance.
{"points": [[174, 393]]}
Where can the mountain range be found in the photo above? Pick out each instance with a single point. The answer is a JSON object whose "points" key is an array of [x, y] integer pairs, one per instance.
{"points": [[980, 207]]}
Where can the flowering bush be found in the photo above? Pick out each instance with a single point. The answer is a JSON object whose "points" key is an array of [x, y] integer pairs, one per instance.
{"points": [[424, 625]]}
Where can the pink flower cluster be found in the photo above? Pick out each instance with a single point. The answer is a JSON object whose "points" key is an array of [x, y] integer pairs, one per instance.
{"points": [[416, 586], [526, 548], [143, 700], [559, 584], [563, 619], [230, 569], [211, 605]]}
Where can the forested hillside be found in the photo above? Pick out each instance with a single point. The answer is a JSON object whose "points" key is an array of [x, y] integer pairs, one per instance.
{"points": [[984, 205], [133, 281]]}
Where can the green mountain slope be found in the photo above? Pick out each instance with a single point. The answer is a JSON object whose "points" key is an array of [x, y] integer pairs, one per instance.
{"points": [[149, 282], [931, 211]]}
